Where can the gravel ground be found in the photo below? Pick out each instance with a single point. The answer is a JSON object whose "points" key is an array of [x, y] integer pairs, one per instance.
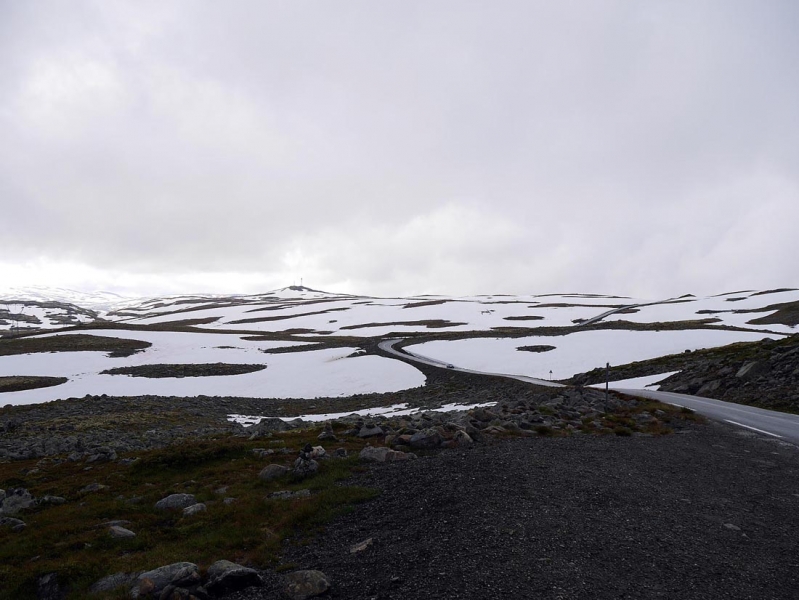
{"points": [[712, 512]]}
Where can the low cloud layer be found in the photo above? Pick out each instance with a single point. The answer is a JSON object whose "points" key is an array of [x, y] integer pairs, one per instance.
{"points": [[636, 148]]}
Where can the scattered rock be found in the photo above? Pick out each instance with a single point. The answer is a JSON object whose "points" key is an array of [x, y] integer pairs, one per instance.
{"points": [[301, 585], [176, 501], [731, 527]]}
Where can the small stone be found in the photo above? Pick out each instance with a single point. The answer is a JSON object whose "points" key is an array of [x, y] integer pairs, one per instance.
{"points": [[361, 546], [287, 494], [176, 501], [51, 500], [194, 509], [91, 488], [115, 531], [731, 527], [301, 585]]}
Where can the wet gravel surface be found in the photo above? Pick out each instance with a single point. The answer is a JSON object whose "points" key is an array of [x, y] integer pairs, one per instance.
{"points": [[709, 513]]}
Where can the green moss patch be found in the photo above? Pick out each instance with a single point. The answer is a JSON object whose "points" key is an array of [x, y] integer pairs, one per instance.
{"points": [[72, 539]]}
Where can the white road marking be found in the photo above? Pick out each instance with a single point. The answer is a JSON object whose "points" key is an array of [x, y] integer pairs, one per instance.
{"points": [[753, 428]]}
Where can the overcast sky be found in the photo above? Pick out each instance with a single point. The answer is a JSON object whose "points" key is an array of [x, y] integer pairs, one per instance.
{"points": [[645, 148]]}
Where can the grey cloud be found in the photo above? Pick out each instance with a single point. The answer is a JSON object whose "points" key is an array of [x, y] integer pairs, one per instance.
{"points": [[405, 146]]}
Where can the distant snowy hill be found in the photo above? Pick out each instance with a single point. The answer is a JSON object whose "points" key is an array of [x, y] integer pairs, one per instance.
{"points": [[317, 343]]}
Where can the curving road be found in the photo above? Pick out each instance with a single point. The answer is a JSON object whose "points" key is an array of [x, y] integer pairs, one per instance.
{"points": [[777, 425], [388, 346]]}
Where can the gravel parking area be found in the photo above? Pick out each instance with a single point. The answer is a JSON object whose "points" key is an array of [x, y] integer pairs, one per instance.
{"points": [[711, 512]]}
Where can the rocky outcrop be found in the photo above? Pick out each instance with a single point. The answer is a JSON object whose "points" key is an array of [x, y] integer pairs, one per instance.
{"points": [[764, 373]]}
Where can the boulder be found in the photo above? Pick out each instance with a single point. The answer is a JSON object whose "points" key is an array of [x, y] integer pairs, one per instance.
{"points": [[48, 588], [181, 574], [301, 585], [428, 438], [176, 501], [753, 370], [225, 577], [370, 430], [266, 426], [270, 472], [327, 433], [15, 500], [462, 438], [318, 452]]}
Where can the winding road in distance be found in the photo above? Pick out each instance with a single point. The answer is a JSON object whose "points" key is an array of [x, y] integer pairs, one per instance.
{"points": [[778, 425]]}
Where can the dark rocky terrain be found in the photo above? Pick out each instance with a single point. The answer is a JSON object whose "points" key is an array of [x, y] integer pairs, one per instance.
{"points": [[711, 512]]}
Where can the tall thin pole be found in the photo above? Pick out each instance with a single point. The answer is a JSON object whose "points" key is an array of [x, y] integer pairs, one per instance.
{"points": [[607, 380]]}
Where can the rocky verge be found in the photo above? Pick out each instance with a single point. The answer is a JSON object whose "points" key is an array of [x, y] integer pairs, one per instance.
{"points": [[764, 374]]}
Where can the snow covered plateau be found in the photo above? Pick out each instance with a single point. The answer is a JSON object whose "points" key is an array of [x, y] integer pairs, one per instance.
{"points": [[308, 343]]}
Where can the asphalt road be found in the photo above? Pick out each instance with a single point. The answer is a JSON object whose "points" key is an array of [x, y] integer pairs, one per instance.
{"points": [[388, 346], [778, 425]]}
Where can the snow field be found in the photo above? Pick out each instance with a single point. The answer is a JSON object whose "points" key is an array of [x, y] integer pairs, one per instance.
{"points": [[574, 353], [317, 373]]}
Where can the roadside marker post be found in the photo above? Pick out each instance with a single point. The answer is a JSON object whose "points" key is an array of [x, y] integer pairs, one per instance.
{"points": [[607, 380]]}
